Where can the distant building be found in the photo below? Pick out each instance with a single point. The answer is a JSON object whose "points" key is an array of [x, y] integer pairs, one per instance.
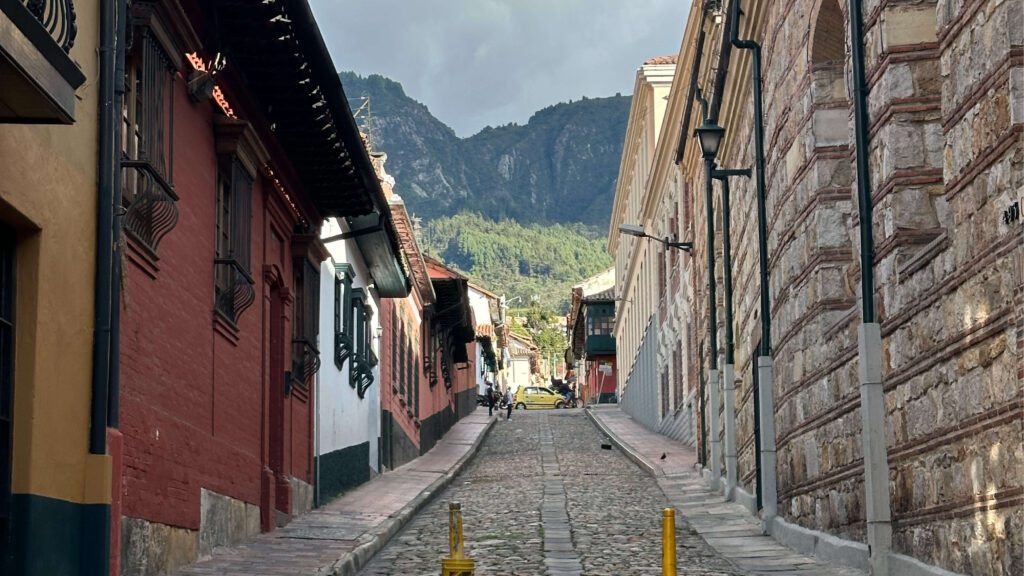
{"points": [[639, 262], [428, 353], [523, 363], [591, 336], [349, 383]]}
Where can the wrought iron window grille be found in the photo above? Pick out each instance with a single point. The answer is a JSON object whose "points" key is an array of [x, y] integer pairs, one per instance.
{"points": [[239, 292], [58, 18], [343, 342], [151, 205], [235, 289], [305, 354]]}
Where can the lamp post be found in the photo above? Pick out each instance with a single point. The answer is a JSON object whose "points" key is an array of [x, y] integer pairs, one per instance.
{"points": [[709, 134], [729, 370]]}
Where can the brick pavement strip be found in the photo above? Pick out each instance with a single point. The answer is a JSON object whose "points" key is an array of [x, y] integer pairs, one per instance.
{"points": [[726, 526], [532, 508], [341, 537]]}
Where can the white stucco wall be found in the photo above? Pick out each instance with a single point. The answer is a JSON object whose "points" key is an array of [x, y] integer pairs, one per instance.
{"points": [[344, 419], [479, 303]]}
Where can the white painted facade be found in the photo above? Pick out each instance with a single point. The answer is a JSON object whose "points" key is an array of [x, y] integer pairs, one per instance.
{"points": [[480, 305], [637, 259], [344, 419]]}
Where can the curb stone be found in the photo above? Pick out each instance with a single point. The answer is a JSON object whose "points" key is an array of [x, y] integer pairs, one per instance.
{"points": [[623, 447], [374, 540]]}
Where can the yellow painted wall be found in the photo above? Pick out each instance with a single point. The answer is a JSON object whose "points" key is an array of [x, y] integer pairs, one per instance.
{"points": [[48, 194]]}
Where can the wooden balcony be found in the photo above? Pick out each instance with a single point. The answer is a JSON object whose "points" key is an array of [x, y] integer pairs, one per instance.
{"points": [[38, 78]]}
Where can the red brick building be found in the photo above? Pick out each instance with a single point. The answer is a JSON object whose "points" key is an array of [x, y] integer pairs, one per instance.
{"points": [[229, 171], [428, 362]]}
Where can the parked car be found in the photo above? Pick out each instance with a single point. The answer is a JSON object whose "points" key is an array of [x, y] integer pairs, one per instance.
{"points": [[537, 397]]}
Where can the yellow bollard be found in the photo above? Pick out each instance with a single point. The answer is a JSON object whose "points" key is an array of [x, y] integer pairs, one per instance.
{"points": [[457, 564], [668, 542]]}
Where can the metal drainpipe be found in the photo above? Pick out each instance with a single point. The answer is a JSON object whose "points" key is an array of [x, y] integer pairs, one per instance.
{"points": [[114, 396], [107, 168], [872, 391], [729, 375], [765, 363], [684, 132], [716, 465]]}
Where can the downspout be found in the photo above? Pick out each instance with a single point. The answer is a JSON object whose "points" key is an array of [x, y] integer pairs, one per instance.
{"points": [[96, 519], [767, 482], [711, 115], [729, 375], [694, 90], [114, 395], [724, 56], [105, 249], [716, 465], [872, 392]]}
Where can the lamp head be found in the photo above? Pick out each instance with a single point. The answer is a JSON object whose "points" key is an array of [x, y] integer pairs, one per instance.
{"points": [[709, 134], [632, 230]]}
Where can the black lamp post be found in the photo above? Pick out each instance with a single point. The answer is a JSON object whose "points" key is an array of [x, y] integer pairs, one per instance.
{"points": [[709, 135]]}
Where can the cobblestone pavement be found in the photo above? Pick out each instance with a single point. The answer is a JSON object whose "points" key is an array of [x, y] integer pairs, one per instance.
{"points": [[518, 497]]}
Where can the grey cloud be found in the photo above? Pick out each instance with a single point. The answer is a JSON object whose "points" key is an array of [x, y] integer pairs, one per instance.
{"points": [[487, 62]]}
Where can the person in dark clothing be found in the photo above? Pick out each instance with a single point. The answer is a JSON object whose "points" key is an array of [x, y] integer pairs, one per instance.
{"points": [[490, 398]]}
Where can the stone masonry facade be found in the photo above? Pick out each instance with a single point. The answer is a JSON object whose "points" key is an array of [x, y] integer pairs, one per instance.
{"points": [[945, 84]]}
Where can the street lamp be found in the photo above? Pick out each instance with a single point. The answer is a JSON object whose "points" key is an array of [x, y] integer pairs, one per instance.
{"points": [[638, 231], [709, 135]]}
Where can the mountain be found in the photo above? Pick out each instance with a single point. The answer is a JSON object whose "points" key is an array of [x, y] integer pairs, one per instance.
{"points": [[525, 260], [559, 167]]}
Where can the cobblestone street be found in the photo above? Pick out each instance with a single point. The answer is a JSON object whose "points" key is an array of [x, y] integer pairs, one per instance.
{"points": [[543, 497]]}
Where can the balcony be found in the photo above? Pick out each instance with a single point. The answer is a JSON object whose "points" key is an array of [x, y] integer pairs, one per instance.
{"points": [[600, 344], [38, 78]]}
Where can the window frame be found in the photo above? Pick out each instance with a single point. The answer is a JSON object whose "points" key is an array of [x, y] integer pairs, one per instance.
{"points": [[234, 286], [147, 135]]}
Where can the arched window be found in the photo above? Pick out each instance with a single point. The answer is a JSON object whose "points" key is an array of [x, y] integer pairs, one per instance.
{"points": [[829, 45]]}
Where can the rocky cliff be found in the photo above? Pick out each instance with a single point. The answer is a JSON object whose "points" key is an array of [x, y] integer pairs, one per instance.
{"points": [[559, 167]]}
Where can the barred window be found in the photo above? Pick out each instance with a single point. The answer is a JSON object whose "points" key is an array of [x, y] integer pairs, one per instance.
{"points": [[359, 317], [232, 277], [344, 340], [147, 134], [305, 355]]}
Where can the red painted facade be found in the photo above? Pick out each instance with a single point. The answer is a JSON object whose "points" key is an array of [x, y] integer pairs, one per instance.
{"points": [[424, 388], [597, 382], [202, 403]]}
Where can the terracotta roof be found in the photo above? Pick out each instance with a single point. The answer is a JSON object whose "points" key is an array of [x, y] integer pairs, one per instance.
{"points": [[603, 296], [485, 330], [411, 254], [670, 59]]}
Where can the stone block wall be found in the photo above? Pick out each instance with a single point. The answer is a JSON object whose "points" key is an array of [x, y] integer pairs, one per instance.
{"points": [[946, 113]]}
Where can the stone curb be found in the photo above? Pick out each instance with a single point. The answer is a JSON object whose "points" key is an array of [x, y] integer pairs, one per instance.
{"points": [[626, 449], [374, 540]]}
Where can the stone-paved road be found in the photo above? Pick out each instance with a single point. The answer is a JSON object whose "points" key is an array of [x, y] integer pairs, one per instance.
{"points": [[534, 476]]}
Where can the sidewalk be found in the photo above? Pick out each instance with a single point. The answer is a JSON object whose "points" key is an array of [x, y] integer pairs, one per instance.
{"points": [[340, 538], [727, 526]]}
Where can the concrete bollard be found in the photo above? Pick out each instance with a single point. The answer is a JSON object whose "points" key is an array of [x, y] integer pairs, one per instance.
{"points": [[668, 542], [456, 564]]}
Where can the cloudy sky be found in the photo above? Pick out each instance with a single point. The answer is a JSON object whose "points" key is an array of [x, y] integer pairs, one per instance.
{"points": [[476, 63]]}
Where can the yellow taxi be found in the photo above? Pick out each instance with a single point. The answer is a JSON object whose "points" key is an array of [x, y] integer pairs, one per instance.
{"points": [[537, 397]]}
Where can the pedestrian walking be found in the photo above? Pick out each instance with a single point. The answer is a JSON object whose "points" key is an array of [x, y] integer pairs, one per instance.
{"points": [[490, 398], [508, 398]]}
